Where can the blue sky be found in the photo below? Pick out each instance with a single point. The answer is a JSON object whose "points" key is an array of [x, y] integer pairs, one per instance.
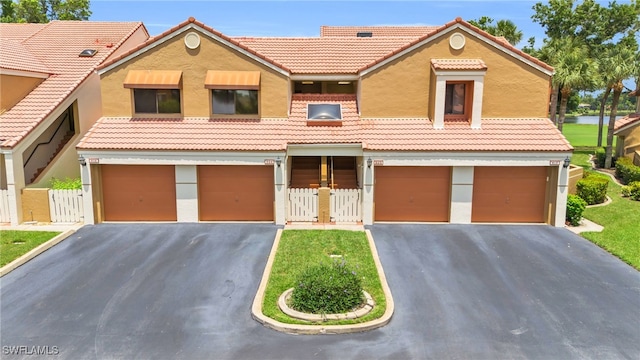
{"points": [[304, 18]]}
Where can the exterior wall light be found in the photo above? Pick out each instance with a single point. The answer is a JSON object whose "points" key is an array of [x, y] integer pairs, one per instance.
{"points": [[566, 163], [82, 160], [369, 162], [278, 161]]}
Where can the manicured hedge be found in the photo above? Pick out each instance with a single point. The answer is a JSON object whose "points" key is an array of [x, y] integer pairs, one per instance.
{"points": [[626, 171], [592, 188], [575, 207]]}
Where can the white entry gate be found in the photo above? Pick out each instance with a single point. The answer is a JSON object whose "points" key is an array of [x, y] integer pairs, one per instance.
{"points": [[66, 205], [345, 205], [303, 205]]}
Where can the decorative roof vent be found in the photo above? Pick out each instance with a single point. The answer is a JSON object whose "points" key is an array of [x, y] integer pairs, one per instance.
{"points": [[192, 40], [324, 114], [364, 34], [88, 53]]}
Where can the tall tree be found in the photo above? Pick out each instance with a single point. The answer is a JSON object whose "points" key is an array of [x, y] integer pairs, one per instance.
{"points": [[574, 70], [42, 11], [626, 61], [504, 28], [8, 11]]}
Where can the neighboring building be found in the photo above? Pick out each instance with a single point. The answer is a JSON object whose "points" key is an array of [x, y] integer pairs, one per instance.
{"points": [[627, 129], [448, 124], [51, 97]]}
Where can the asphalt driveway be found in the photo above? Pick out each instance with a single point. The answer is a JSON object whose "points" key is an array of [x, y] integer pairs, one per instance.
{"points": [[185, 290]]}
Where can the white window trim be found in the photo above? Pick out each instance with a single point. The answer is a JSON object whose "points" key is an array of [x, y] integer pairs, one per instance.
{"points": [[477, 77]]}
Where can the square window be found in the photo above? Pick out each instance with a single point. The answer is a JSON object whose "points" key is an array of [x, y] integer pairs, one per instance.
{"points": [[151, 101], [235, 102]]}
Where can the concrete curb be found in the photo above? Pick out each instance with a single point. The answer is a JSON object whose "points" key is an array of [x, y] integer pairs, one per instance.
{"points": [[607, 201], [35, 252], [256, 308]]}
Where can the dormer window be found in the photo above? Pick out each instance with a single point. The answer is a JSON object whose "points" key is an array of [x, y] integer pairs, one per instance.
{"points": [[458, 91]]}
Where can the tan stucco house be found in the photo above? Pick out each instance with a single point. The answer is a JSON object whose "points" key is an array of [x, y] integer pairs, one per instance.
{"points": [[50, 98], [362, 124], [627, 129]]}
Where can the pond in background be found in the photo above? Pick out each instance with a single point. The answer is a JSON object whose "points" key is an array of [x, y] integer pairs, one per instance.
{"points": [[587, 119]]}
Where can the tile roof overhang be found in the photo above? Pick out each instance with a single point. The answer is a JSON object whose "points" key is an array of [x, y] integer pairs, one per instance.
{"points": [[389, 134], [53, 46], [458, 64], [625, 123]]}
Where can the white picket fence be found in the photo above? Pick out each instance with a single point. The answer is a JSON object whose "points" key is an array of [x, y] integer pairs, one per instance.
{"points": [[345, 205], [303, 205], [66, 205], [4, 206]]}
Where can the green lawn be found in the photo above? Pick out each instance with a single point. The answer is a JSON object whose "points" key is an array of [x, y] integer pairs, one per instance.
{"points": [[585, 136], [301, 248], [14, 244], [620, 220]]}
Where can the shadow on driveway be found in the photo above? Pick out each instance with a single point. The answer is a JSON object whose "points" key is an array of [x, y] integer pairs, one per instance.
{"points": [[167, 291]]}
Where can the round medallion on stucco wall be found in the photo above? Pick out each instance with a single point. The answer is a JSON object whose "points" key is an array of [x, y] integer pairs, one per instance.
{"points": [[192, 40], [457, 41]]}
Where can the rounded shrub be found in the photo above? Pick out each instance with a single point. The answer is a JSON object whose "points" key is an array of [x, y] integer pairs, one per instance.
{"points": [[592, 189], [575, 208], [600, 158], [626, 171], [327, 289], [632, 190]]}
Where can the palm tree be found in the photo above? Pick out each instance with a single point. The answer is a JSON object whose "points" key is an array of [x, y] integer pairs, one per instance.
{"points": [[508, 30], [606, 65], [626, 59], [574, 70], [504, 28]]}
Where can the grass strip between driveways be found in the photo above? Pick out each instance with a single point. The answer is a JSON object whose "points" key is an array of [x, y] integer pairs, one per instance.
{"points": [[15, 243], [299, 249]]}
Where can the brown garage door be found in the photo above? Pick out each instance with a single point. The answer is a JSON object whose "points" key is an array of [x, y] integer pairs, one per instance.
{"points": [[244, 193], [412, 193], [509, 194], [139, 192]]}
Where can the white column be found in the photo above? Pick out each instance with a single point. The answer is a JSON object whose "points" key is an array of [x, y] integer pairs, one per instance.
{"points": [[561, 196], [15, 184], [461, 194], [367, 193], [438, 108], [280, 191], [476, 112], [87, 193], [187, 193]]}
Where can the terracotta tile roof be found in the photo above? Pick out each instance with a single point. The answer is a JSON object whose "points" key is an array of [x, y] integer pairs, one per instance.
{"points": [[534, 134], [485, 34], [458, 64], [57, 45], [397, 134], [16, 56], [376, 31], [20, 31], [626, 122], [327, 55], [190, 20]]}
